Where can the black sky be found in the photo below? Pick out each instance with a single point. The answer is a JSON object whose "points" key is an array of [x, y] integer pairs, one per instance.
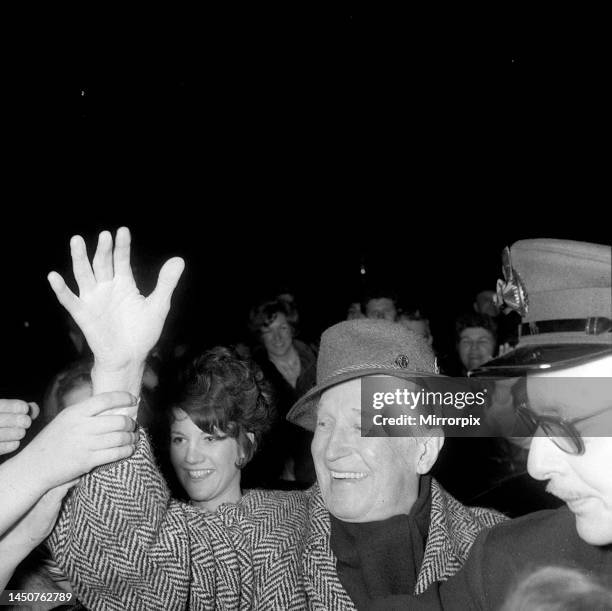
{"points": [[284, 150]]}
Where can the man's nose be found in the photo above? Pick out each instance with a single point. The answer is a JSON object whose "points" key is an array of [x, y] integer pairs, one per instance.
{"points": [[545, 458], [338, 444]]}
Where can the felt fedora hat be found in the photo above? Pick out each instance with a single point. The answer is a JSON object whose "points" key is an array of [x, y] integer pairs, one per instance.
{"points": [[563, 292], [364, 347]]}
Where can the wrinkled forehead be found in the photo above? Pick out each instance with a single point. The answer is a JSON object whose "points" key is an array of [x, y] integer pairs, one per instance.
{"points": [[572, 392]]}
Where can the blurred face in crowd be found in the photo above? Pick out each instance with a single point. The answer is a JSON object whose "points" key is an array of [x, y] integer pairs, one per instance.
{"points": [[277, 337], [362, 478], [383, 309], [485, 305], [476, 346], [205, 464], [584, 481], [420, 327], [354, 311]]}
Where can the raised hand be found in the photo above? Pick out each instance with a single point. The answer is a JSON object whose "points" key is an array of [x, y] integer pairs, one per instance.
{"points": [[15, 418], [120, 325]]}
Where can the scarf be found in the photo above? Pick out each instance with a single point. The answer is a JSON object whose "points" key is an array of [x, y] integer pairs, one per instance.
{"points": [[382, 558]]}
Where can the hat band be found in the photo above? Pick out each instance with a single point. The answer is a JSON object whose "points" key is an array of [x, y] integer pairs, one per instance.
{"points": [[590, 326]]}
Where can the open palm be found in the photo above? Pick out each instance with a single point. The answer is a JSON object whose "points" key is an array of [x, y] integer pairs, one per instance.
{"points": [[119, 324]]}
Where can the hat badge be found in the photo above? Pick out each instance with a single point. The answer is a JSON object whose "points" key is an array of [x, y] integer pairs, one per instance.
{"points": [[511, 291], [402, 361]]}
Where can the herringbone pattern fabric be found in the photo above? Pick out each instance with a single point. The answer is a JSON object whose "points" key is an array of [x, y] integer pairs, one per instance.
{"points": [[125, 545]]}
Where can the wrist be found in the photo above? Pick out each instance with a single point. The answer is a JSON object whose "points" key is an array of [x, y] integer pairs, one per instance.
{"points": [[126, 378]]}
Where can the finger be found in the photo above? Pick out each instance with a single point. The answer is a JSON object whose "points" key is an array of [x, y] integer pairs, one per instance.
{"points": [[103, 259], [8, 446], [115, 440], [12, 434], [102, 424], [81, 268], [34, 410], [18, 421], [166, 283], [121, 255], [13, 406], [102, 457], [97, 404], [64, 295]]}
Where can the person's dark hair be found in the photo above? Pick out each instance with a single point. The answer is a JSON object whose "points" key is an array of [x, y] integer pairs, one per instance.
{"points": [[558, 588], [226, 394], [474, 319], [379, 292], [264, 314]]}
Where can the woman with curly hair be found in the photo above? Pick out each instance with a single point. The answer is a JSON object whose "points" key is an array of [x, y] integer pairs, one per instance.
{"points": [[214, 426]]}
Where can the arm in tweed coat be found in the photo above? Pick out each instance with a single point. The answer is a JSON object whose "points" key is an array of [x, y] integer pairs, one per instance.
{"points": [[126, 545]]}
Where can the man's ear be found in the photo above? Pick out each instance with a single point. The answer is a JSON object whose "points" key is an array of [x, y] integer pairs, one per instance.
{"points": [[429, 448]]}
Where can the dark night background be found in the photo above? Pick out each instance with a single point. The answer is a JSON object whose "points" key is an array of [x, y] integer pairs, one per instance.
{"points": [[282, 151]]}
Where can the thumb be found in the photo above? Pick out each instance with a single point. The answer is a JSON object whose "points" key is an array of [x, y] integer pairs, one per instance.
{"points": [[93, 406], [166, 283], [34, 409]]}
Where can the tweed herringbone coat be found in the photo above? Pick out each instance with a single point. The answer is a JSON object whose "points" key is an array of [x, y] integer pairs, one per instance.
{"points": [[125, 545]]}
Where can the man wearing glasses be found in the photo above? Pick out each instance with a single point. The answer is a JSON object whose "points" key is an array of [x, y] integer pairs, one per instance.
{"points": [[563, 363]]}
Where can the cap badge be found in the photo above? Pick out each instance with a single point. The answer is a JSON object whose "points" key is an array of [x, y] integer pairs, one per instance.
{"points": [[402, 361], [511, 291]]}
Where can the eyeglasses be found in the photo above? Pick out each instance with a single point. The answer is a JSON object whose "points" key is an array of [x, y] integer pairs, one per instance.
{"points": [[563, 433]]}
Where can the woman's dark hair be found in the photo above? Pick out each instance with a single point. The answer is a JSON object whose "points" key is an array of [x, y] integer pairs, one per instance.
{"points": [[225, 394], [473, 319], [265, 313]]}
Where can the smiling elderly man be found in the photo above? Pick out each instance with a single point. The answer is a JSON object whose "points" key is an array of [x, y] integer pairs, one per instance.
{"points": [[375, 526]]}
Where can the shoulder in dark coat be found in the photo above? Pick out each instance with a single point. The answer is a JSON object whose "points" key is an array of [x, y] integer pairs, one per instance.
{"points": [[502, 555]]}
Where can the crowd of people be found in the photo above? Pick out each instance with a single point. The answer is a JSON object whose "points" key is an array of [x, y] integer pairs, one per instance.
{"points": [[242, 477]]}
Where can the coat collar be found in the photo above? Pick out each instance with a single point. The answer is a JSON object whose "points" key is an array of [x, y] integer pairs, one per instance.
{"points": [[452, 530]]}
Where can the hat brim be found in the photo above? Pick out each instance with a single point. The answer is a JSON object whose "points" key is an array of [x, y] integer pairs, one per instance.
{"points": [[541, 357], [304, 413]]}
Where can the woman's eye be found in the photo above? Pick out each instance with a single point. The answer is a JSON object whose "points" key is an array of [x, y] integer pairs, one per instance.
{"points": [[177, 440], [210, 438]]}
